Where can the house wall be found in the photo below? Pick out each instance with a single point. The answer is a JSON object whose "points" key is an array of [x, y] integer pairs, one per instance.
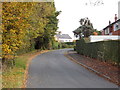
{"points": [[65, 40], [116, 29], [103, 32], [116, 32]]}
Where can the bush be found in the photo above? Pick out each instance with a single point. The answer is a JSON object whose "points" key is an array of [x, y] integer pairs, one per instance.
{"points": [[67, 45], [103, 50], [56, 45], [70, 43]]}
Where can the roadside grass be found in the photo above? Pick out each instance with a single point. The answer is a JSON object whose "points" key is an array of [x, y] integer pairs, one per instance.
{"points": [[14, 78], [0, 82]]}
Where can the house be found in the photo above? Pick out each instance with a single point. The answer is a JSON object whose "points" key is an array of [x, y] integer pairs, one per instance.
{"points": [[111, 32], [63, 38], [112, 28]]}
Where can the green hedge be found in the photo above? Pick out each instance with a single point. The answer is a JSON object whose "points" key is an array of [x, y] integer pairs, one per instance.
{"points": [[67, 45], [56, 45], [103, 50]]}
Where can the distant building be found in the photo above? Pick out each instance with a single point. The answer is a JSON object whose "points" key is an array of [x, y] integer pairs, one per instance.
{"points": [[63, 38]]}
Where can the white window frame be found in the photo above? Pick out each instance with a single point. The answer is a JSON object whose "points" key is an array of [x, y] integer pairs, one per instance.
{"points": [[116, 26], [107, 31]]}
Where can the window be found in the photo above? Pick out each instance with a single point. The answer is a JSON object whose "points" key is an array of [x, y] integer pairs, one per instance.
{"points": [[107, 31], [116, 26]]}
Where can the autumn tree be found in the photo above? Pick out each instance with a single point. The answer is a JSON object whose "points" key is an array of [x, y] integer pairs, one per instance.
{"points": [[24, 24], [15, 27]]}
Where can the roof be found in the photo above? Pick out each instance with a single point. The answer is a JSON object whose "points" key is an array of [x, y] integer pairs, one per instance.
{"points": [[63, 36], [112, 24]]}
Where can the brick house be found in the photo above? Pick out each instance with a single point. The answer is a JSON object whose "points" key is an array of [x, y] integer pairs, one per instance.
{"points": [[112, 29]]}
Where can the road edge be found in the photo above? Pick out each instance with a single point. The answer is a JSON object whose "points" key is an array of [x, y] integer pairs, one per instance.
{"points": [[28, 64], [91, 69]]}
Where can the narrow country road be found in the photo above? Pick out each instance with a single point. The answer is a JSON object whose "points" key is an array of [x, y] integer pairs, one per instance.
{"points": [[54, 70]]}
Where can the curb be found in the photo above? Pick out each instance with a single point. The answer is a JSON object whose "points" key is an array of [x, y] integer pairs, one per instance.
{"points": [[91, 69]]}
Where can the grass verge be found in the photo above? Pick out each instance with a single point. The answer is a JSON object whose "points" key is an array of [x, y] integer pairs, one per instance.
{"points": [[17, 76]]}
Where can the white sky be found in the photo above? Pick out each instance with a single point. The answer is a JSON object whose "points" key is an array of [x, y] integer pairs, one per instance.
{"points": [[74, 10]]}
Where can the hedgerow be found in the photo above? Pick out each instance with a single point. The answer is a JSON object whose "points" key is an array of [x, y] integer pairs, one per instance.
{"points": [[103, 50]]}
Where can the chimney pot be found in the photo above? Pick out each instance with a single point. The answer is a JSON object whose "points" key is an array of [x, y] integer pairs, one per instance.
{"points": [[109, 22], [115, 17]]}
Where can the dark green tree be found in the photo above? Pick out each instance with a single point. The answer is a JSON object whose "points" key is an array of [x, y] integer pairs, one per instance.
{"points": [[86, 28], [47, 40]]}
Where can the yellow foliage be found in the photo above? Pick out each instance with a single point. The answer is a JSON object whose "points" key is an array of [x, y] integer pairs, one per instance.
{"points": [[4, 46], [12, 31], [22, 22]]}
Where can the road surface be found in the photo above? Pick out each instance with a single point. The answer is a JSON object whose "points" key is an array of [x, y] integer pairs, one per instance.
{"points": [[54, 70]]}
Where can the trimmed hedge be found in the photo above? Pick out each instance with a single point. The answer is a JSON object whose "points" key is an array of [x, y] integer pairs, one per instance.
{"points": [[103, 50]]}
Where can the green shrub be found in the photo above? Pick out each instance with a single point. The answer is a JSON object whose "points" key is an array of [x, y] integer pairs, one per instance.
{"points": [[103, 50], [67, 45], [70, 43], [56, 45]]}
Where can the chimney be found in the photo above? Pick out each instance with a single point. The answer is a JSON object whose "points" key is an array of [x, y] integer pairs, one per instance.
{"points": [[109, 22], [115, 17]]}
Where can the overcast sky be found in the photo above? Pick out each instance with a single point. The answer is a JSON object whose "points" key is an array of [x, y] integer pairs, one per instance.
{"points": [[74, 10]]}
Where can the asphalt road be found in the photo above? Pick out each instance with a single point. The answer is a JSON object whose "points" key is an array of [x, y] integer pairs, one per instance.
{"points": [[54, 70]]}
